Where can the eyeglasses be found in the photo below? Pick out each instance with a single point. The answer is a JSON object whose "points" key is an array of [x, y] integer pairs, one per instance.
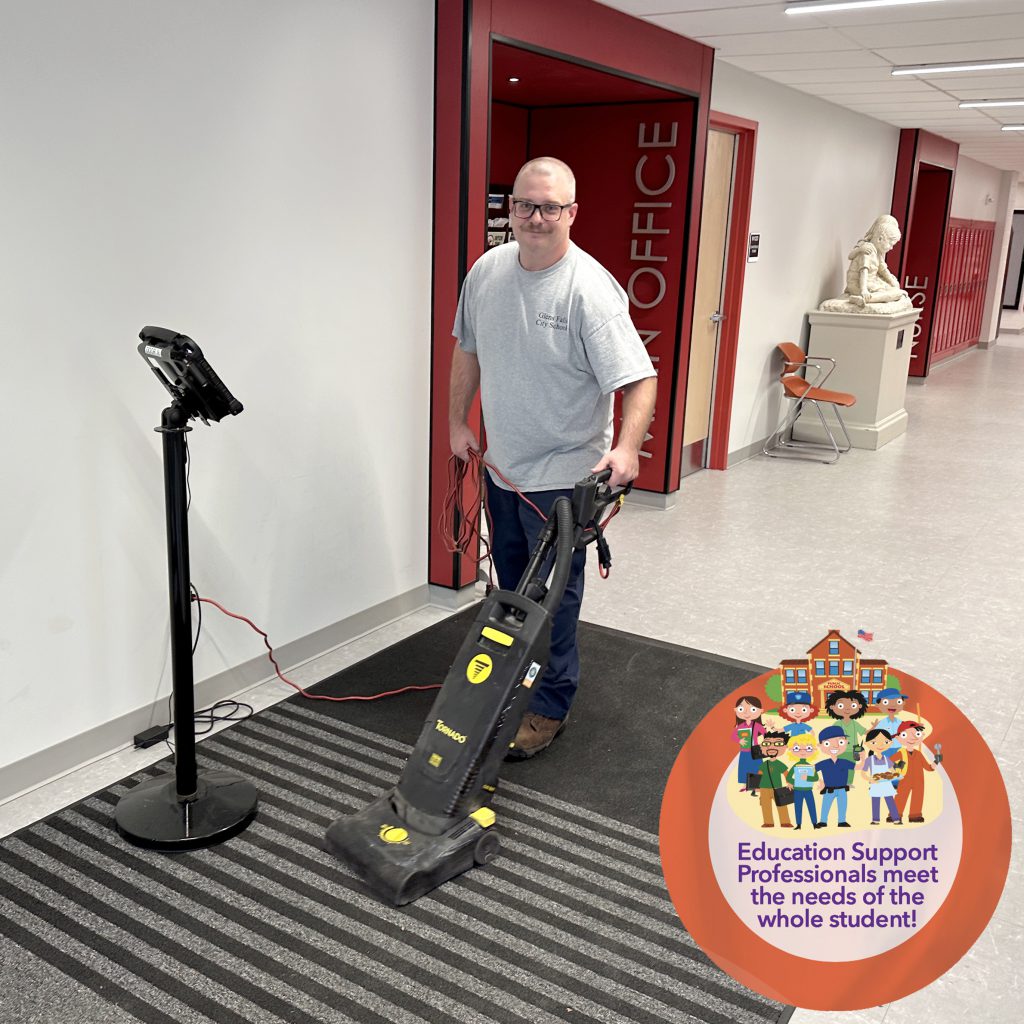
{"points": [[523, 209]]}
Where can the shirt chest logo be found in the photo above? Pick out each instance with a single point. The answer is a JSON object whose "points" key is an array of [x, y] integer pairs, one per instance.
{"points": [[551, 321]]}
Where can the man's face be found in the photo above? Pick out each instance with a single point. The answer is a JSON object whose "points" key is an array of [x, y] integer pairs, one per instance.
{"points": [[911, 738], [539, 238], [833, 746], [801, 748], [891, 705], [772, 747]]}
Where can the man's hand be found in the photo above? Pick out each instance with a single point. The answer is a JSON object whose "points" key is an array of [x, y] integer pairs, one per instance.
{"points": [[624, 464], [465, 380], [462, 439], [637, 410]]}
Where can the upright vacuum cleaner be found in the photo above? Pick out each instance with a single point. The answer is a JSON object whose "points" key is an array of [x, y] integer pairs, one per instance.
{"points": [[437, 822]]}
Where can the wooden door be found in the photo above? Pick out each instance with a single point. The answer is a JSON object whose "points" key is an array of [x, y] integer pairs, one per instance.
{"points": [[707, 308]]}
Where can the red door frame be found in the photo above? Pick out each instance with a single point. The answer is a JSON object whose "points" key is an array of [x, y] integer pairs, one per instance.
{"points": [[580, 31], [919, 147], [735, 268]]}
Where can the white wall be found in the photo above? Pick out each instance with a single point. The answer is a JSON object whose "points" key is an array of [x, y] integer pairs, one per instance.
{"points": [[976, 191], [257, 175], [822, 174]]}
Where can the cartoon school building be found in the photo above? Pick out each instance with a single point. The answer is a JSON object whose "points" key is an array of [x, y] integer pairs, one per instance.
{"points": [[833, 663]]}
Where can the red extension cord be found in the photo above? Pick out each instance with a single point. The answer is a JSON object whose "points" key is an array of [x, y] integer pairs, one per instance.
{"points": [[456, 540]]}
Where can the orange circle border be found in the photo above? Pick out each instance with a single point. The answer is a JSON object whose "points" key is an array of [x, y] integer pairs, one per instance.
{"points": [[853, 985]]}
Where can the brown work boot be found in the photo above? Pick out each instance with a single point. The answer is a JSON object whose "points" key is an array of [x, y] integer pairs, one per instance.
{"points": [[535, 734]]}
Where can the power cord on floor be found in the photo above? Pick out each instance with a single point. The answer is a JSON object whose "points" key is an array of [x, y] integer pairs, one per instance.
{"points": [[295, 686]]}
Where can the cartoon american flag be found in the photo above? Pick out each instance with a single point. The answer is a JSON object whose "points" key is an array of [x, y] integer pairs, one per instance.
{"points": [[864, 635]]}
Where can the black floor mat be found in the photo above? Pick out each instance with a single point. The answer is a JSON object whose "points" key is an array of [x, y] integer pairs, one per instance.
{"points": [[638, 701], [570, 923]]}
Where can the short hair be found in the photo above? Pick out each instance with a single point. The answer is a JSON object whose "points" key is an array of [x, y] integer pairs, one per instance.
{"points": [[775, 736], [877, 732], [907, 726], [548, 165]]}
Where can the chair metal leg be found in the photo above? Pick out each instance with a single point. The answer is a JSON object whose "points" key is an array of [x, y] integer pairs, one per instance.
{"points": [[776, 447], [768, 448]]}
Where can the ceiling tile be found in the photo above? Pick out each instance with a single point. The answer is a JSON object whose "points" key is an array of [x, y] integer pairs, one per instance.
{"points": [[845, 59], [1003, 49], [811, 41], [929, 33]]}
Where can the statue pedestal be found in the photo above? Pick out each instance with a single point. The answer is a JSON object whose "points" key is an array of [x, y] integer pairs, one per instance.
{"points": [[872, 354]]}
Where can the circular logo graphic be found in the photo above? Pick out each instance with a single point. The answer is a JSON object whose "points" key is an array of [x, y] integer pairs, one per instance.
{"points": [[479, 668], [394, 834], [822, 843]]}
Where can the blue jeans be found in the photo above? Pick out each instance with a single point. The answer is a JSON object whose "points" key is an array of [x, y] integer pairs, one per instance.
{"points": [[514, 528], [826, 804], [802, 797]]}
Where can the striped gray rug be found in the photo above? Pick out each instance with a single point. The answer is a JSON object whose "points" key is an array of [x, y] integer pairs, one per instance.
{"points": [[571, 923]]}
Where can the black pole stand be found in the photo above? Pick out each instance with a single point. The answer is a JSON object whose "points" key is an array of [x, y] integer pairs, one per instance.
{"points": [[193, 809]]}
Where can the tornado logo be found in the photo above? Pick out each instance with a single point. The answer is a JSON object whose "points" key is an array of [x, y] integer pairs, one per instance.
{"points": [[479, 668]]}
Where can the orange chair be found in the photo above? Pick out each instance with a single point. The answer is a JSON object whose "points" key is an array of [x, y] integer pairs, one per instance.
{"points": [[801, 390]]}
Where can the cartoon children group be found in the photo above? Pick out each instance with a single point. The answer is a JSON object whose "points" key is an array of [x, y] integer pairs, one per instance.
{"points": [[890, 757]]}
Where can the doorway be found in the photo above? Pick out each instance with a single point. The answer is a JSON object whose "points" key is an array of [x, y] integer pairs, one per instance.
{"points": [[1014, 279], [929, 216], [579, 36], [631, 146], [719, 176]]}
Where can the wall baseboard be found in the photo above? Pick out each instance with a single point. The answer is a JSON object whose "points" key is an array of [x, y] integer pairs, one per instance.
{"points": [[653, 499], [742, 454], [72, 753]]}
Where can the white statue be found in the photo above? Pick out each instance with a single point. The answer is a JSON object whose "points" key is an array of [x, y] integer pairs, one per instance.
{"points": [[870, 286]]}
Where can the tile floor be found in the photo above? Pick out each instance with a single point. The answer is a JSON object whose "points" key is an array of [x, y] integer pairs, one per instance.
{"points": [[919, 543]]}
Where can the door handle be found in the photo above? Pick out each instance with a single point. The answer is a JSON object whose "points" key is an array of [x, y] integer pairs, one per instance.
{"points": [[716, 318]]}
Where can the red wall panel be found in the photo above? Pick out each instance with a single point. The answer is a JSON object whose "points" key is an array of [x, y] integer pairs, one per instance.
{"points": [[960, 305], [576, 30], [633, 165], [924, 255], [508, 141]]}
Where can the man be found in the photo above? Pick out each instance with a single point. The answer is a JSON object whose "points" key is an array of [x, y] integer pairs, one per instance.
{"points": [[834, 772], [914, 760], [773, 777], [544, 332]]}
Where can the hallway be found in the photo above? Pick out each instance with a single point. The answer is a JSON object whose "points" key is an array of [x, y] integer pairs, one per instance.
{"points": [[917, 543]]}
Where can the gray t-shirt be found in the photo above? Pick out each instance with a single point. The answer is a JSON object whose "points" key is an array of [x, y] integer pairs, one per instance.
{"points": [[553, 346]]}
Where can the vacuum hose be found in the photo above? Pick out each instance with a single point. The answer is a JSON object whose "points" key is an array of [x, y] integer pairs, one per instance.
{"points": [[563, 555]]}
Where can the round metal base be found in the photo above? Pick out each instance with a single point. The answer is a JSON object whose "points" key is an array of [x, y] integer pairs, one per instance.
{"points": [[151, 814]]}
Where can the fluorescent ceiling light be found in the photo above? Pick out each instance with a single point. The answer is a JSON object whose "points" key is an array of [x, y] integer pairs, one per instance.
{"points": [[965, 104], [939, 69], [824, 6], [1013, 127]]}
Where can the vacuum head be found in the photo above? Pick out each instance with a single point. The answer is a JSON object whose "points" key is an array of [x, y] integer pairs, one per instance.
{"points": [[399, 863]]}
